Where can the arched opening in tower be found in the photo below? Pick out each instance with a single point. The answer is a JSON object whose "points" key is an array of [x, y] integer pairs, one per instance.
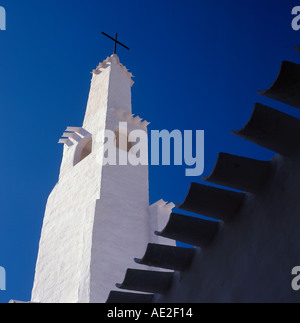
{"points": [[83, 149]]}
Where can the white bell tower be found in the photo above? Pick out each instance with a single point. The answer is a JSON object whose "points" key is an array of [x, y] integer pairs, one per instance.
{"points": [[97, 218]]}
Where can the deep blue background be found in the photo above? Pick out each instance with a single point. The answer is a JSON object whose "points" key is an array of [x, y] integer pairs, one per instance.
{"points": [[197, 65]]}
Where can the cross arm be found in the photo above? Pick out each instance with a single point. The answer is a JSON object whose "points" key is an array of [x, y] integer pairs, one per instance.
{"points": [[115, 40]]}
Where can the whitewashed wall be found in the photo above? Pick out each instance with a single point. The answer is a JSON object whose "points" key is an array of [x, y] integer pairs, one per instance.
{"points": [[97, 218]]}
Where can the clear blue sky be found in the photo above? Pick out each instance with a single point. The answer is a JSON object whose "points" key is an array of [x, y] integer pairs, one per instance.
{"points": [[197, 65]]}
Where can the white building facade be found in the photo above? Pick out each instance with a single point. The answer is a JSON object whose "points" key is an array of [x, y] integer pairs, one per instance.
{"points": [[97, 218]]}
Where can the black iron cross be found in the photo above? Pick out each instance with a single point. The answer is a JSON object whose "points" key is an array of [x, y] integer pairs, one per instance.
{"points": [[116, 41]]}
